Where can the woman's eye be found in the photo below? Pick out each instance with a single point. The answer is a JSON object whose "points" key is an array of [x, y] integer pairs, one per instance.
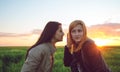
{"points": [[61, 31], [79, 30], [73, 31]]}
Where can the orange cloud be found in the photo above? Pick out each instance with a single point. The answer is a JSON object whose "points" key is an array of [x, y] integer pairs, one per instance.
{"points": [[109, 33], [104, 30], [13, 39]]}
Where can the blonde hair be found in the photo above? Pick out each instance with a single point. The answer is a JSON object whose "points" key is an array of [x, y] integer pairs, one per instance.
{"points": [[71, 43]]}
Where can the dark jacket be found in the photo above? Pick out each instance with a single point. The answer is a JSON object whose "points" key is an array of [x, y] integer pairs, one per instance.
{"points": [[89, 58]]}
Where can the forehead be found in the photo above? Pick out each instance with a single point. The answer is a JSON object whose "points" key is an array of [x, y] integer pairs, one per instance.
{"points": [[59, 27], [77, 27]]}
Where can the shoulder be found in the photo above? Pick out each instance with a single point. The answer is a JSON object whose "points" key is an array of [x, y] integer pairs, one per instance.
{"points": [[89, 42], [89, 45], [90, 48], [42, 48]]}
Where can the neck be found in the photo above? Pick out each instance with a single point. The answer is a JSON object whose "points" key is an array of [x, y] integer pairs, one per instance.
{"points": [[77, 43], [53, 43]]}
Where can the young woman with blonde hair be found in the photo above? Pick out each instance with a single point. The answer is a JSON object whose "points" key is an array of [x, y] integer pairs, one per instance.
{"points": [[81, 53]]}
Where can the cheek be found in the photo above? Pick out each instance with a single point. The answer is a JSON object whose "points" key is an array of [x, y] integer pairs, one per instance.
{"points": [[73, 36], [58, 35], [81, 33]]}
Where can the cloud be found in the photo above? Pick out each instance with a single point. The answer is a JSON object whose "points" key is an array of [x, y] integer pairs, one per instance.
{"points": [[14, 39], [104, 30], [108, 32], [13, 34], [6, 34], [35, 31], [99, 30]]}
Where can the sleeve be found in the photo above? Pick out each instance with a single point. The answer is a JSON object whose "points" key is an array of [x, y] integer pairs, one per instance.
{"points": [[67, 57], [93, 58], [33, 60]]}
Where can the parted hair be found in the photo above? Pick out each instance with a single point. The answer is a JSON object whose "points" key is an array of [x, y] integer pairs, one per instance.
{"points": [[47, 34], [71, 43]]}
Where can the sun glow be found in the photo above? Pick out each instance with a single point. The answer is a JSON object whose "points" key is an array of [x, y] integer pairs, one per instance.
{"points": [[101, 42]]}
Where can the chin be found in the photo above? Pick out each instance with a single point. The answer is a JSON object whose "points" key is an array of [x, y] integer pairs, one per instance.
{"points": [[60, 40], [77, 41]]}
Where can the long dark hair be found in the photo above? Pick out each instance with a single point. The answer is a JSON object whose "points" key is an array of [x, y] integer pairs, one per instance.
{"points": [[47, 34]]}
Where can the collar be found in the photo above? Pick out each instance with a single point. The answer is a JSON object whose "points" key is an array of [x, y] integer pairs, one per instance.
{"points": [[52, 48]]}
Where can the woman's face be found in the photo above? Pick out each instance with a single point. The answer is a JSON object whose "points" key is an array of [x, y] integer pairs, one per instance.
{"points": [[77, 33], [59, 34]]}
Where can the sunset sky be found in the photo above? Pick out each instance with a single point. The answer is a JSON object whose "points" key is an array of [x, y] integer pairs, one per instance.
{"points": [[22, 21]]}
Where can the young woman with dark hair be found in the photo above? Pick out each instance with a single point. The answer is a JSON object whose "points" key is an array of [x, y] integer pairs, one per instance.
{"points": [[39, 57]]}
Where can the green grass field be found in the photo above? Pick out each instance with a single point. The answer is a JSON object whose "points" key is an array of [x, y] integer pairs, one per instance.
{"points": [[12, 59]]}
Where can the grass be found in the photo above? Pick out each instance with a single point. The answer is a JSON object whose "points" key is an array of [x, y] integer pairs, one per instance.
{"points": [[12, 59], [112, 57]]}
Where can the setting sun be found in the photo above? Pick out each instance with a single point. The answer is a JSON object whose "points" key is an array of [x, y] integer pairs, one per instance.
{"points": [[101, 42]]}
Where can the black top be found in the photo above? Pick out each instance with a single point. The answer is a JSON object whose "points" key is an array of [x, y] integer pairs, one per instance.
{"points": [[89, 58]]}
